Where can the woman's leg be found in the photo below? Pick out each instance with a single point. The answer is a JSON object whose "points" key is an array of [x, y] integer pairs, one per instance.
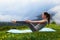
{"points": [[31, 26], [22, 22]]}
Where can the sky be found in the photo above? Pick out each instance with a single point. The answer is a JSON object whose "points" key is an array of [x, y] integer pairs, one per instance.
{"points": [[56, 17], [25, 9]]}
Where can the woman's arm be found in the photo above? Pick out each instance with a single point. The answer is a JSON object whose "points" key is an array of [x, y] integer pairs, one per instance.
{"points": [[40, 21]]}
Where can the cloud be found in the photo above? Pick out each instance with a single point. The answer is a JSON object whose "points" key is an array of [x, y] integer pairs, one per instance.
{"points": [[56, 11], [9, 17], [24, 9]]}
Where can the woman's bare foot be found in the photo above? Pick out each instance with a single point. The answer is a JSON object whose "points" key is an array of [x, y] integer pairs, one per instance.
{"points": [[13, 21]]}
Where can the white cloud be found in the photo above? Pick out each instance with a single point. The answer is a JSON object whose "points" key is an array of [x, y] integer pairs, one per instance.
{"points": [[8, 17], [56, 11], [24, 9]]}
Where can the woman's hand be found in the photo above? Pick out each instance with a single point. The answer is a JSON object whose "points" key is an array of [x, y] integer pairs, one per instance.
{"points": [[28, 21]]}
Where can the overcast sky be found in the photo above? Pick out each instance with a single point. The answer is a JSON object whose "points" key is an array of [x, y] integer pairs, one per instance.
{"points": [[24, 9]]}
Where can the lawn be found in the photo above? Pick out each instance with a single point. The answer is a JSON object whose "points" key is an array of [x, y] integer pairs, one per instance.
{"points": [[30, 36]]}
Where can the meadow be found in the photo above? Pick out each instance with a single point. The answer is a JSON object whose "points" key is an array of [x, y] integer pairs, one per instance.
{"points": [[30, 36]]}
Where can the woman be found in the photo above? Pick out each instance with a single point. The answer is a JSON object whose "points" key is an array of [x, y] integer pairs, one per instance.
{"points": [[40, 24]]}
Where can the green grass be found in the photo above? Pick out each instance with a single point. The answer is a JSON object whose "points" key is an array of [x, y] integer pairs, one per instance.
{"points": [[30, 36]]}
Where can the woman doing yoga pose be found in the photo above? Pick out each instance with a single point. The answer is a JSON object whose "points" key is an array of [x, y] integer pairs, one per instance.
{"points": [[40, 24]]}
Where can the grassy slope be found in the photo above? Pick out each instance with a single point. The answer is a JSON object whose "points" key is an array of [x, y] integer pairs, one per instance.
{"points": [[32, 36]]}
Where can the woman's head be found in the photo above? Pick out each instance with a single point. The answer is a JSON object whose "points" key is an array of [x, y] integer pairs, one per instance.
{"points": [[45, 15]]}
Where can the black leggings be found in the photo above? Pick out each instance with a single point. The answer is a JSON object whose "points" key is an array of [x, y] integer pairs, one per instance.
{"points": [[30, 25]]}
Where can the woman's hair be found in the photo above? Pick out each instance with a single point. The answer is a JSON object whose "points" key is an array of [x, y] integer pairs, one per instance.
{"points": [[47, 16]]}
